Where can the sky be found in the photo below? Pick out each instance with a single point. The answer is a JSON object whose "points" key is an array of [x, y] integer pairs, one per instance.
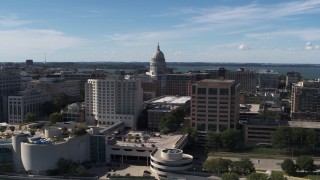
{"points": [[243, 31]]}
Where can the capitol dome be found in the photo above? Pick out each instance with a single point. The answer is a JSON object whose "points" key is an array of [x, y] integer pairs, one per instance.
{"points": [[158, 56], [157, 63]]}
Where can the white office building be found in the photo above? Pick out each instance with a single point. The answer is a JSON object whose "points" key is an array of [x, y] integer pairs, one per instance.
{"points": [[25, 102], [112, 100]]}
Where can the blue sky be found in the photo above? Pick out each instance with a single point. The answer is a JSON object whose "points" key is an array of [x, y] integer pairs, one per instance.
{"points": [[188, 31]]}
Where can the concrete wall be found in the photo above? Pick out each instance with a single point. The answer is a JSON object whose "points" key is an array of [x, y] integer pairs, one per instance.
{"points": [[39, 158]]}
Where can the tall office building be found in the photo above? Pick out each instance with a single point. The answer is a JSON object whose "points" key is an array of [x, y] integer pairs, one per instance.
{"points": [[247, 78], [9, 85], [158, 63], [112, 100], [305, 97], [268, 79], [178, 84], [214, 105], [293, 77]]}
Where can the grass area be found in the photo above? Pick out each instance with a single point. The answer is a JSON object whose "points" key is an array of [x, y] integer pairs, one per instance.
{"points": [[269, 151]]}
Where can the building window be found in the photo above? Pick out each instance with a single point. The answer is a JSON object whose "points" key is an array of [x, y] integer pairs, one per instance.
{"points": [[224, 91], [202, 91], [212, 91]]}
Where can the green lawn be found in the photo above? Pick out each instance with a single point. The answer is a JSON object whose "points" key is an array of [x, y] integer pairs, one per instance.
{"points": [[269, 151]]}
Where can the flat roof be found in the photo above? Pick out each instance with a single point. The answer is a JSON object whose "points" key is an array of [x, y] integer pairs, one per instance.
{"points": [[249, 108], [217, 80], [162, 142], [304, 124], [178, 100]]}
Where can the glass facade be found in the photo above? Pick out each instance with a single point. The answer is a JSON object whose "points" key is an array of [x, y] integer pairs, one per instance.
{"points": [[98, 149], [5, 155]]}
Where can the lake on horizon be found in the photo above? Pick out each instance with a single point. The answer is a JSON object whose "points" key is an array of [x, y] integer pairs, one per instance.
{"points": [[307, 72]]}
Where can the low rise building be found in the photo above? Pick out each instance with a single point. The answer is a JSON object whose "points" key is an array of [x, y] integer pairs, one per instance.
{"points": [[159, 107]]}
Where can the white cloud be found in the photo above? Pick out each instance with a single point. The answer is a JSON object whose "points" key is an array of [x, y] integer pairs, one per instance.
{"points": [[28, 41], [304, 34], [177, 53], [11, 21], [243, 47], [250, 13], [309, 46]]}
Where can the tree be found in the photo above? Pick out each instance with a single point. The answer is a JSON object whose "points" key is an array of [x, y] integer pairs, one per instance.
{"points": [[64, 165], [30, 117], [306, 163], [80, 129], [288, 166], [3, 129], [295, 138], [55, 117], [231, 139], [81, 170], [6, 168], [48, 108], [217, 165], [214, 140], [32, 132], [298, 136], [242, 167], [179, 114], [168, 123], [12, 128], [277, 176], [311, 139], [282, 137], [60, 100], [257, 176], [192, 136], [230, 176]]}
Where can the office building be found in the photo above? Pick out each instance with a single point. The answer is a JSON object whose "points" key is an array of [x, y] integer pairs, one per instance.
{"points": [[268, 79], [55, 86], [247, 78], [25, 102], [159, 107], [293, 77], [112, 100], [9, 85], [305, 97], [214, 105], [178, 84]]}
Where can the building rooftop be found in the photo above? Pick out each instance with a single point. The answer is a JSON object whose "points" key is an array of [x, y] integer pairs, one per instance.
{"points": [[249, 108], [171, 100], [304, 124], [158, 154], [218, 80], [152, 140]]}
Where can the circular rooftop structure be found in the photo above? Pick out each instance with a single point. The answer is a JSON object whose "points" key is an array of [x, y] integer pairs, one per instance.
{"points": [[170, 161], [172, 154]]}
